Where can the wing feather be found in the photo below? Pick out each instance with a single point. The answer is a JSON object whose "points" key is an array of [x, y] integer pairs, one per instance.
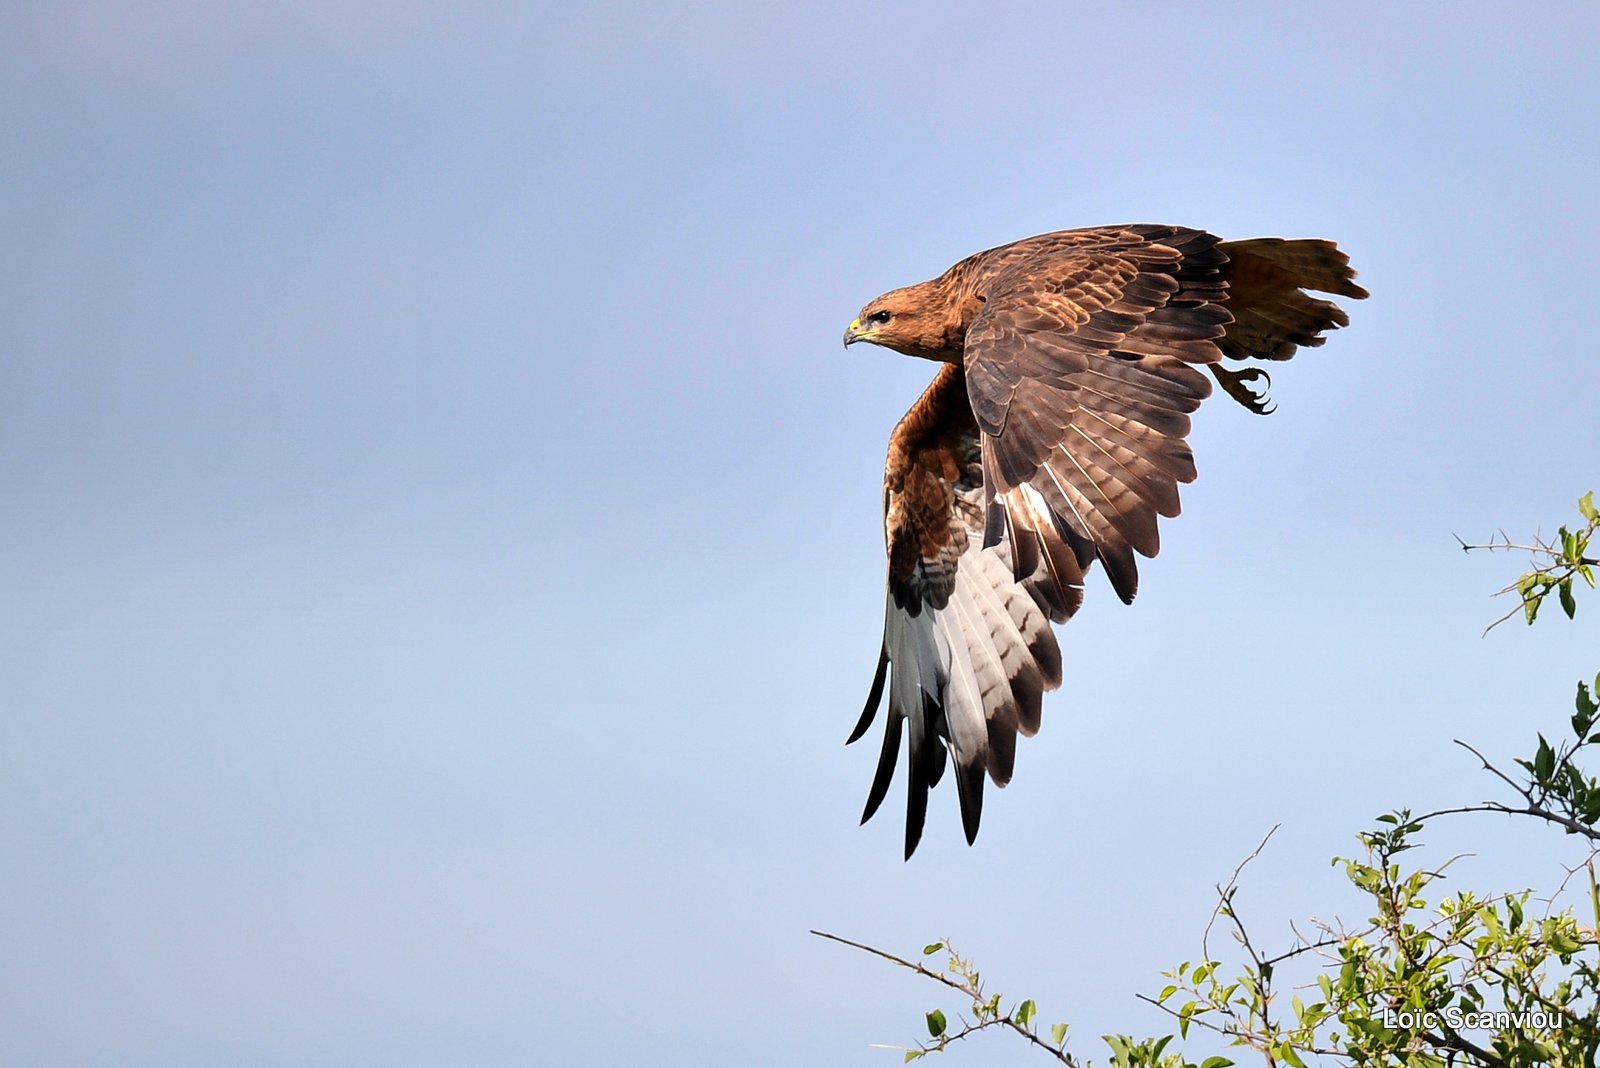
{"points": [[1080, 366], [967, 652]]}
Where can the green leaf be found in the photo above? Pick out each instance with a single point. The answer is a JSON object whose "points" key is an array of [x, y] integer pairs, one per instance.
{"points": [[931, 948], [1216, 1062], [1583, 718], [1586, 506], [1058, 1035], [1561, 941], [1544, 762], [1568, 604], [1025, 1012], [911, 1055], [936, 1023]]}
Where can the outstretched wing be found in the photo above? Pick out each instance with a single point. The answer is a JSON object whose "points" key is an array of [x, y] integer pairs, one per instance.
{"points": [[967, 652], [1079, 369]]}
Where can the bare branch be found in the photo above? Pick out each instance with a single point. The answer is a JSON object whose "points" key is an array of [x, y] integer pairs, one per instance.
{"points": [[1556, 818], [1224, 892], [1502, 776]]}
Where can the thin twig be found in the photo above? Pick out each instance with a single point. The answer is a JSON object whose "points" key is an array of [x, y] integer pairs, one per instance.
{"points": [[919, 969], [1502, 776], [1307, 947], [1223, 891], [968, 989], [1587, 865]]}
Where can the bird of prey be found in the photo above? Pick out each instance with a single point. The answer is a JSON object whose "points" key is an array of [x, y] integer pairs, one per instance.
{"points": [[1051, 437]]}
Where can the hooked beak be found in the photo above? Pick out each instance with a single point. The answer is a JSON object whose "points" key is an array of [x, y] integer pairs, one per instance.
{"points": [[852, 333]]}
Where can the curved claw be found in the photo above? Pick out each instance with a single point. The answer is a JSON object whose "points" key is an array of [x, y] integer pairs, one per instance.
{"points": [[1236, 384]]}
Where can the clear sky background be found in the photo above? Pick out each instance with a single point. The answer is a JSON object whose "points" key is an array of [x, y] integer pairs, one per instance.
{"points": [[441, 544]]}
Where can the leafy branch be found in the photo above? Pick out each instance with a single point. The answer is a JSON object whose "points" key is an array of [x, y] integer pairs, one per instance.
{"points": [[986, 1011], [1559, 562]]}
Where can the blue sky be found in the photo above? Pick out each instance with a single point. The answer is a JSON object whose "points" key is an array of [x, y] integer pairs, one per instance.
{"points": [[442, 543]]}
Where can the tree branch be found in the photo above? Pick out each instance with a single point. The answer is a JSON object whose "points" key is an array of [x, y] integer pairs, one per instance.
{"points": [[970, 990]]}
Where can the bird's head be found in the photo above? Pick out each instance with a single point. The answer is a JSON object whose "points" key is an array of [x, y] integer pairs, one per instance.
{"points": [[907, 320]]}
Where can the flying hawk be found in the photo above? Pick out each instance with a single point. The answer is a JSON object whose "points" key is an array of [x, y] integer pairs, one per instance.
{"points": [[1051, 437]]}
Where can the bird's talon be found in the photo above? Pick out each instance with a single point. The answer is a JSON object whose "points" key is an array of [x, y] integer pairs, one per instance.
{"points": [[1236, 384]]}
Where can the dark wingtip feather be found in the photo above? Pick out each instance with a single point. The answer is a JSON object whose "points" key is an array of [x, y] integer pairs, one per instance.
{"points": [[969, 790], [916, 811], [1028, 691], [885, 773], [870, 712], [932, 755], [1121, 570], [925, 767], [1066, 575], [1002, 759]]}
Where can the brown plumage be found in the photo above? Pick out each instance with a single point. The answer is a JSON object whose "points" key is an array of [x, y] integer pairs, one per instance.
{"points": [[1052, 437]]}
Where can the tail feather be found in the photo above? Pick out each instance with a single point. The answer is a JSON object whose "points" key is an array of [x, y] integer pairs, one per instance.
{"points": [[1272, 315]]}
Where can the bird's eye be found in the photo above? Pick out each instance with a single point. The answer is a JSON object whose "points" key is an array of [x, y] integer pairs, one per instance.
{"points": [[878, 318]]}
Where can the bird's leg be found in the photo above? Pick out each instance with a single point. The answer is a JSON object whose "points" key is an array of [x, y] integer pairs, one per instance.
{"points": [[1236, 385]]}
